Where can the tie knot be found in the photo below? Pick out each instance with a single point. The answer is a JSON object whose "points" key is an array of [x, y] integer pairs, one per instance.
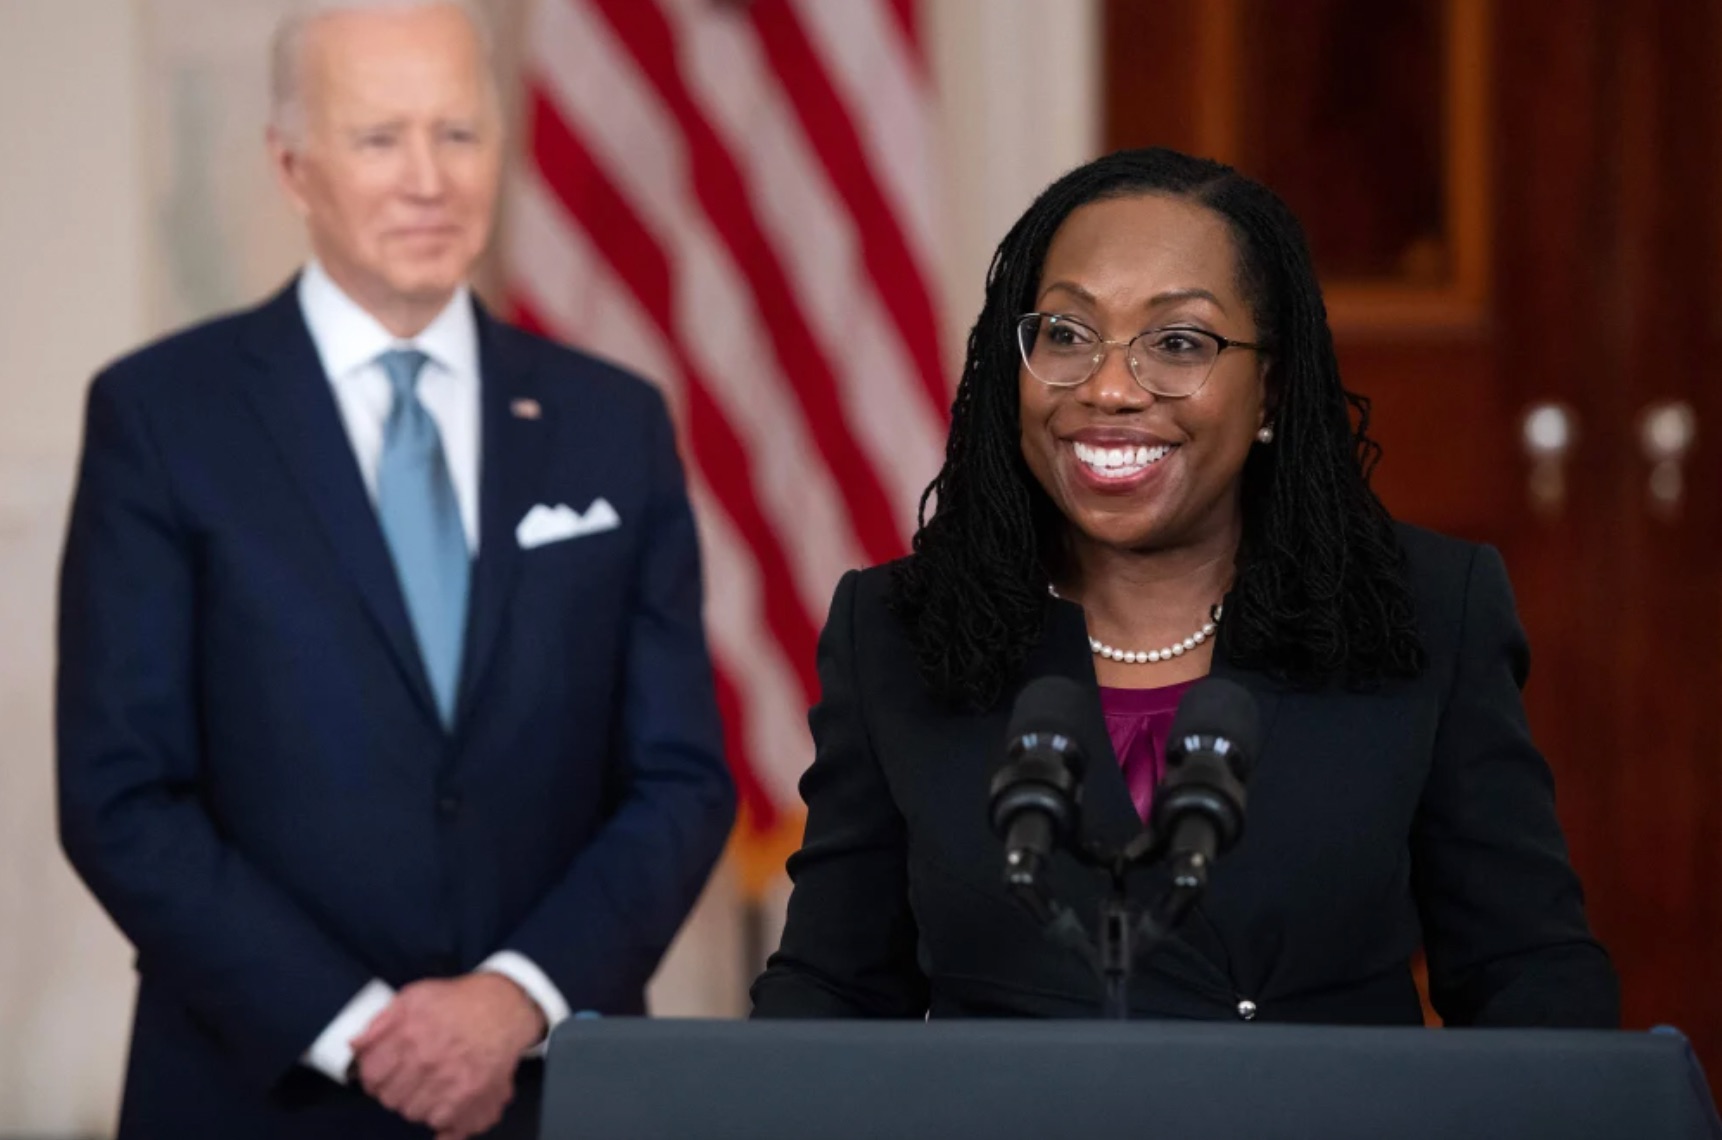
{"points": [[402, 366]]}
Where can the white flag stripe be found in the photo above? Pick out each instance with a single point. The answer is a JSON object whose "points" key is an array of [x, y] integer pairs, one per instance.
{"points": [[621, 332], [774, 710], [885, 93], [588, 73], [623, 119], [818, 243], [774, 705], [717, 319], [574, 290], [885, 408], [610, 326], [673, 290]]}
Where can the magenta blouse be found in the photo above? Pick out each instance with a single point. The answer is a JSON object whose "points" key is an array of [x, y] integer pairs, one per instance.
{"points": [[1139, 721]]}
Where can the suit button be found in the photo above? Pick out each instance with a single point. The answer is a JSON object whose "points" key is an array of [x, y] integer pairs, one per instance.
{"points": [[448, 806], [1247, 1010], [445, 966]]}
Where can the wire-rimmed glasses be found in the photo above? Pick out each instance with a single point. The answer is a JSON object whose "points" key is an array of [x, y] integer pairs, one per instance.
{"points": [[1172, 362]]}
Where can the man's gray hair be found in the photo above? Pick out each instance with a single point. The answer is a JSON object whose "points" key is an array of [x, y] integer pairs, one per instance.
{"points": [[287, 49]]}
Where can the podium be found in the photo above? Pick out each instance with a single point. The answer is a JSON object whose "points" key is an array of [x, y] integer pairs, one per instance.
{"points": [[647, 1079]]}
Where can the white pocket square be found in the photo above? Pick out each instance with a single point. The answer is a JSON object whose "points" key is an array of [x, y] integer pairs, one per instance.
{"points": [[544, 524]]}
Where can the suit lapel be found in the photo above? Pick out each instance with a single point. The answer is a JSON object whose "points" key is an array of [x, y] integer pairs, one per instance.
{"points": [[297, 407], [516, 429]]}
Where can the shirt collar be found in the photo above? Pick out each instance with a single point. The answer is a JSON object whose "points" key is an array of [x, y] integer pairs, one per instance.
{"points": [[348, 338]]}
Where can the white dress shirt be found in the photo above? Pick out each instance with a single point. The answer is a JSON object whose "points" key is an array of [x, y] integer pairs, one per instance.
{"points": [[349, 340]]}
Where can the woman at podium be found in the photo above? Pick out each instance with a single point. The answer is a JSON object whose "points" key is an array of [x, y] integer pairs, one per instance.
{"points": [[1154, 475]]}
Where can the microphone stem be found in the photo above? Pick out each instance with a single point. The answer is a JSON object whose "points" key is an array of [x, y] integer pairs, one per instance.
{"points": [[1117, 955]]}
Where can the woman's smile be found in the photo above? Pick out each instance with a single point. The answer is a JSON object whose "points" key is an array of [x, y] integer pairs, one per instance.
{"points": [[1116, 466]]}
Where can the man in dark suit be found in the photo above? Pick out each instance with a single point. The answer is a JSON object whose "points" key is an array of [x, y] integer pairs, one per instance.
{"points": [[386, 727]]}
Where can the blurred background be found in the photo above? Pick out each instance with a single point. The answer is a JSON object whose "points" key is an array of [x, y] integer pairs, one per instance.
{"points": [[1514, 204]]}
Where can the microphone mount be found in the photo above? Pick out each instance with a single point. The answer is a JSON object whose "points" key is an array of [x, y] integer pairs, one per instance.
{"points": [[1199, 809], [1122, 937]]}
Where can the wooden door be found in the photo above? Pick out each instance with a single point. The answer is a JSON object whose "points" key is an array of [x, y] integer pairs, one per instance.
{"points": [[1515, 206]]}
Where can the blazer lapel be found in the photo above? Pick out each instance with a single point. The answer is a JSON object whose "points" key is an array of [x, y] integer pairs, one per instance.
{"points": [[1267, 693], [1194, 953], [293, 399], [516, 429], [1107, 812]]}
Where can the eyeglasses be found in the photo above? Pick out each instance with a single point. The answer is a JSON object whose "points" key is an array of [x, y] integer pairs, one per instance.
{"points": [[1172, 362]]}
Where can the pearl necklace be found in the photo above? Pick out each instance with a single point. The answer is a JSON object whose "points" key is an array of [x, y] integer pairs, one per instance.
{"points": [[1152, 656]]}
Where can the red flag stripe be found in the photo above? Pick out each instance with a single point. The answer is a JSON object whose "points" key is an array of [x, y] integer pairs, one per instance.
{"points": [[909, 22], [888, 100], [636, 259], [719, 187], [760, 809], [818, 243], [776, 743], [568, 289], [713, 310], [726, 202], [832, 133]]}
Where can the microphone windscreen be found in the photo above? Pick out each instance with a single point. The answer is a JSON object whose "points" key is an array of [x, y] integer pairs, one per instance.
{"points": [[1215, 706], [1048, 704]]}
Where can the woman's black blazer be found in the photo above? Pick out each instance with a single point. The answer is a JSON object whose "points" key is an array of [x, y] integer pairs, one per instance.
{"points": [[1418, 813]]}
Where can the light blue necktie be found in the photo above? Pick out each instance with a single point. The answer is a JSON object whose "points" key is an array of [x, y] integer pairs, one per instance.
{"points": [[421, 521]]}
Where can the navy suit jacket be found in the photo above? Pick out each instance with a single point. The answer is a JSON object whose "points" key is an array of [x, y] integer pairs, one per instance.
{"points": [[252, 776]]}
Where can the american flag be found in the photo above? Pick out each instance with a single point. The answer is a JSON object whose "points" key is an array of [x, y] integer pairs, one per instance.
{"points": [[736, 200]]}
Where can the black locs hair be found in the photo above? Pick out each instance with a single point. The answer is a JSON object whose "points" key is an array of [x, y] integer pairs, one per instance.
{"points": [[1320, 588]]}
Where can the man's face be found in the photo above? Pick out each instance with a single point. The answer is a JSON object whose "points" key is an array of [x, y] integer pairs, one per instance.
{"points": [[398, 156]]}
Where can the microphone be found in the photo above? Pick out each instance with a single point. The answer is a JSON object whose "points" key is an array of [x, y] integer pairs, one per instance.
{"points": [[1036, 797], [1199, 807]]}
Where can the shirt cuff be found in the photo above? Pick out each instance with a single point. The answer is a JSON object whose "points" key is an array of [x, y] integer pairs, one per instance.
{"points": [[524, 972], [332, 1053]]}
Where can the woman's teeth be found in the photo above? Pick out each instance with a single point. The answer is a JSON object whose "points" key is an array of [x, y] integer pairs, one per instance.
{"points": [[1120, 462]]}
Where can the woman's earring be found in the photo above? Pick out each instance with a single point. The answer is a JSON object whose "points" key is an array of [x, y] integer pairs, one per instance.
{"points": [[1266, 435]]}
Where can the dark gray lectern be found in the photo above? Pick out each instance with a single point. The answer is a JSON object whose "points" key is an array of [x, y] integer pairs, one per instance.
{"points": [[1003, 1080]]}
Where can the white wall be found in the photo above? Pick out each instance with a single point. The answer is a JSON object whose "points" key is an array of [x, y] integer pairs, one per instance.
{"points": [[133, 197], [1019, 93], [72, 294]]}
